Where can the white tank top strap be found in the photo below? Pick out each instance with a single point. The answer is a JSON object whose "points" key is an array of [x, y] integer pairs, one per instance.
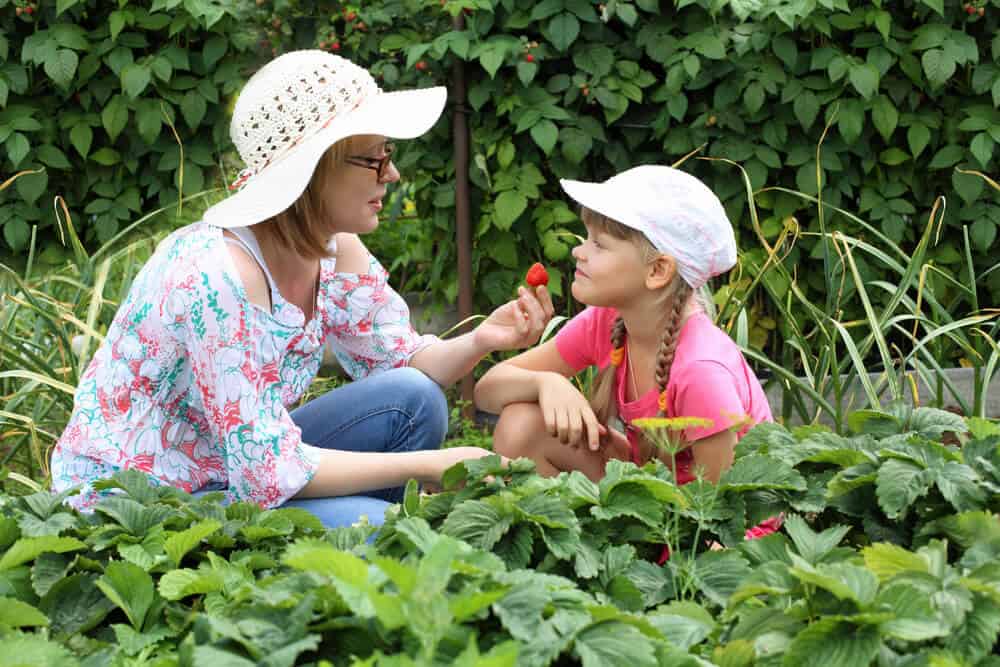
{"points": [[246, 240]]}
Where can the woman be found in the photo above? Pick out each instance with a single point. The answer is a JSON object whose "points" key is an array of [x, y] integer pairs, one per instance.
{"points": [[225, 326]]}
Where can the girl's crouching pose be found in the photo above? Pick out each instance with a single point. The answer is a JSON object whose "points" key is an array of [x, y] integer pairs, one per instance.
{"points": [[655, 235]]}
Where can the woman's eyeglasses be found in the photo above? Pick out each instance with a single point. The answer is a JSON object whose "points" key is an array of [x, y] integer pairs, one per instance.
{"points": [[379, 164]]}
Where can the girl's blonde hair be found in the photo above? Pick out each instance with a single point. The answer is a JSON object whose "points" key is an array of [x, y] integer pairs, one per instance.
{"points": [[304, 226], [673, 298]]}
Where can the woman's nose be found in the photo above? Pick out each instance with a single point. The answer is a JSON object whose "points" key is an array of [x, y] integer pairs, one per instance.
{"points": [[391, 174]]}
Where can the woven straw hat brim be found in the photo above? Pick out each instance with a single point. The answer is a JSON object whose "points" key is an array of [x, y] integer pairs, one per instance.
{"points": [[397, 115]]}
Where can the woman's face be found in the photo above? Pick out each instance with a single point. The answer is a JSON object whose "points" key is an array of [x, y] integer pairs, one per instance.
{"points": [[353, 195]]}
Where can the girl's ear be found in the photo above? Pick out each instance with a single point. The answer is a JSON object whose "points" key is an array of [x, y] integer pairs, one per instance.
{"points": [[660, 272]]}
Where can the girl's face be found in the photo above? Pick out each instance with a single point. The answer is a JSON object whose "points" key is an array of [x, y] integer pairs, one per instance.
{"points": [[610, 272], [354, 191]]}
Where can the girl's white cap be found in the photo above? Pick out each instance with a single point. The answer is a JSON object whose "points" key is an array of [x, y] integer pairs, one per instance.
{"points": [[678, 213]]}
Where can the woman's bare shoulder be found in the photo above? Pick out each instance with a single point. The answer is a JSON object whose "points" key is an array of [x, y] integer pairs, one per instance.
{"points": [[352, 255]]}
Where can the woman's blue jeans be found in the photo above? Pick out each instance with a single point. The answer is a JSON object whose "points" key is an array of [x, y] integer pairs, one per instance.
{"points": [[401, 410]]}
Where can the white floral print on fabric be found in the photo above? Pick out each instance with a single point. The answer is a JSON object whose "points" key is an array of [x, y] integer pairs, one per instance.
{"points": [[193, 382]]}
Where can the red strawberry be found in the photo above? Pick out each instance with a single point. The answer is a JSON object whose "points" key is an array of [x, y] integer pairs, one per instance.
{"points": [[537, 275]]}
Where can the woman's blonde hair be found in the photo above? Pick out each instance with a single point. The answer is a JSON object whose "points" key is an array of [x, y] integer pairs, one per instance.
{"points": [[673, 299], [304, 226]]}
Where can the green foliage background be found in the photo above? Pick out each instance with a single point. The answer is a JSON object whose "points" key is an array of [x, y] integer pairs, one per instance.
{"points": [[557, 89]]}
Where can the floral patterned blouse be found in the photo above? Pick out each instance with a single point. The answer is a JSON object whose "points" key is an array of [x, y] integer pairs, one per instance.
{"points": [[192, 383]]}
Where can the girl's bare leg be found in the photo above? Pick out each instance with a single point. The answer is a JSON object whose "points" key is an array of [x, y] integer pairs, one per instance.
{"points": [[521, 433]]}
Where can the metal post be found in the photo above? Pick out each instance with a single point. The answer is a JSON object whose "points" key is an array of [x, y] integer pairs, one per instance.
{"points": [[463, 228]]}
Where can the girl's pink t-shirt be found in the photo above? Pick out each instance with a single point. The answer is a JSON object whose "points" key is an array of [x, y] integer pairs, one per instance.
{"points": [[709, 378]]}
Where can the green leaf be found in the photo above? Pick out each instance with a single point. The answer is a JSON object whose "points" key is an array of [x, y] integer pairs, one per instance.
{"points": [[947, 157], [508, 207], [178, 584], [130, 589], [106, 156], [595, 59], [960, 486], [81, 136], [477, 522], [761, 472], [75, 604], [888, 560], [612, 644], [851, 120], [17, 614], [975, 638], [983, 233], [899, 484], [52, 157], [969, 187], [813, 546], [34, 651], [893, 156], [753, 97], [845, 581], [28, 548], [215, 48], [61, 66], [684, 624], [707, 45], [562, 30], [31, 187], [115, 116], [17, 148], [134, 79], [193, 107], [176, 546], [576, 144], [719, 573], [864, 78], [938, 65], [833, 643], [48, 570], [918, 136], [982, 148], [915, 618], [885, 116], [545, 134]]}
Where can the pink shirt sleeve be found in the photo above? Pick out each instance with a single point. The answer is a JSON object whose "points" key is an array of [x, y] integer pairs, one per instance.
{"points": [[586, 339], [706, 389]]}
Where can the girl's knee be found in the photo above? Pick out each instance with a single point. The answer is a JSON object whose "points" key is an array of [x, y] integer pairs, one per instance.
{"points": [[519, 425]]}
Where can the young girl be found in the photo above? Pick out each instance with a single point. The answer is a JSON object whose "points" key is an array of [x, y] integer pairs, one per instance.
{"points": [[655, 235]]}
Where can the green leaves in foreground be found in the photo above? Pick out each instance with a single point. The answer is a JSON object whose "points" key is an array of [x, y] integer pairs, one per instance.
{"points": [[508, 568]]}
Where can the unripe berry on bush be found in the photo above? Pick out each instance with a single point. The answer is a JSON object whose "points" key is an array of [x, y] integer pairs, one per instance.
{"points": [[981, 11], [350, 16], [17, 11]]}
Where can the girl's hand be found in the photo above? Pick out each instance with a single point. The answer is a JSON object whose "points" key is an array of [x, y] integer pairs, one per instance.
{"points": [[518, 323], [567, 414], [615, 445]]}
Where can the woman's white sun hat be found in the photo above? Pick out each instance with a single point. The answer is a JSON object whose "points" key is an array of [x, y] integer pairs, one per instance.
{"points": [[678, 213], [292, 110]]}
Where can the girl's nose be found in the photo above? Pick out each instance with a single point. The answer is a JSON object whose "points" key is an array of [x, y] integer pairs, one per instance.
{"points": [[577, 252]]}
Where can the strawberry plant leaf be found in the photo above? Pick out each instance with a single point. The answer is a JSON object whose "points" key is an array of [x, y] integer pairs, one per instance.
{"points": [[130, 588], [899, 484], [178, 544], [834, 643], [28, 548], [613, 643], [17, 614]]}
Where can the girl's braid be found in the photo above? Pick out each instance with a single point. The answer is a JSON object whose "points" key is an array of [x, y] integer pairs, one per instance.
{"points": [[668, 344]]}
